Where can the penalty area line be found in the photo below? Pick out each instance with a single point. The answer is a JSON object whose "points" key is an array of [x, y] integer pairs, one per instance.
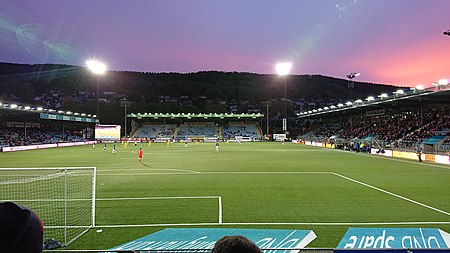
{"points": [[153, 198], [279, 223]]}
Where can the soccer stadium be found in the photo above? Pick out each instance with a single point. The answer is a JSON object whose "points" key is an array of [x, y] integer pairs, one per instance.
{"points": [[357, 165], [95, 159]]}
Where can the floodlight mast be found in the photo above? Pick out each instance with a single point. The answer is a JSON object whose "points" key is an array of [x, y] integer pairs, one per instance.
{"points": [[125, 103], [97, 68], [283, 69], [351, 84]]}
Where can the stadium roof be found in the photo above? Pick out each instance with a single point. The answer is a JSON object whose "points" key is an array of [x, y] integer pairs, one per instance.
{"points": [[195, 115], [45, 113], [400, 100]]}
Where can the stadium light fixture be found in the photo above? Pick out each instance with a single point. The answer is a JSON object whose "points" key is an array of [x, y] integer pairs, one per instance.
{"points": [[420, 87], [340, 105], [326, 108], [353, 75], [370, 98], [443, 82], [283, 68], [13, 106], [39, 108], [60, 111], [69, 113], [399, 92], [320, 109], [1, 104], [27, 107], [96, 67], [349, 103], [383, 95], [358, 101]]}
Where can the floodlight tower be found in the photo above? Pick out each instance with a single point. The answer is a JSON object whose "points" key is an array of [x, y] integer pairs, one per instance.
{"points": [[283, 69], [97, 68], [351, 84], [125, 103]]}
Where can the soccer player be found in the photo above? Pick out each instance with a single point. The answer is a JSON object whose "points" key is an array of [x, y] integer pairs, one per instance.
{"points": [[104, 147], [113, 149], [217, 145], [140, 154], [419, 154]]}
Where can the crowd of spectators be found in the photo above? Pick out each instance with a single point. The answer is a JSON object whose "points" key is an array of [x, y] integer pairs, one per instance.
{"points": [[402, 130], [243, 130], [198, 130], [11, 136], [155, 131]]}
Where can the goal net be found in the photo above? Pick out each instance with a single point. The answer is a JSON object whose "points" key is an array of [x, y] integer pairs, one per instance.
{"points": [[64, 198]]}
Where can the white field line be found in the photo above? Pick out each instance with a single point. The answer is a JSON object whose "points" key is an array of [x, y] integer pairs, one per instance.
{"points": [[221, 172], [392, 194], [267, 172], [220, 210], [177, 170], [280, 223], [144, 174], [152, 198]]}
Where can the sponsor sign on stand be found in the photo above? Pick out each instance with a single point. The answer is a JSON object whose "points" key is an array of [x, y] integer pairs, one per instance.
{"points": [[205, 238], [396, 238]]}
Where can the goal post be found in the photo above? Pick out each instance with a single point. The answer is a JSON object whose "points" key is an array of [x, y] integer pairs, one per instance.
{"points": [[63, 198]]}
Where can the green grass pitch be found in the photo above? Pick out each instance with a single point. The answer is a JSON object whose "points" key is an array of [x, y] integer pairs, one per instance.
{"points": [[260, 185]]}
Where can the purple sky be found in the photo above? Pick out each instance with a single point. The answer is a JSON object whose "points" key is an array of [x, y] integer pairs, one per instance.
{"points": [[398, 42]]}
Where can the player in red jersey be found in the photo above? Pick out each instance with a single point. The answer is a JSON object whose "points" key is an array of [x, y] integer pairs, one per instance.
{"points": [[140, 154]]}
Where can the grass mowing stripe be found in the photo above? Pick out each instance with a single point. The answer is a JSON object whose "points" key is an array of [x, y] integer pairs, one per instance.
{"points": [[392, 194]]}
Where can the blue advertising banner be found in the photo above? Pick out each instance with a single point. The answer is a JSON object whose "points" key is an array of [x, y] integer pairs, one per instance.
{"points": [[397, 238], [205, 238], [67, 118]]}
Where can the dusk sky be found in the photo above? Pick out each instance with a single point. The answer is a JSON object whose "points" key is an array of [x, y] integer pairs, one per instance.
{"points": [[398, 42]]}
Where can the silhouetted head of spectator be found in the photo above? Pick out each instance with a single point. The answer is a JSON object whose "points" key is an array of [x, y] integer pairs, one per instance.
{"points": [[235, 244], [21, 229]]}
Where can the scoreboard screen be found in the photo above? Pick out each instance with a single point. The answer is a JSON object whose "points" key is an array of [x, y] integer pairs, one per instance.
{"points": [[107, 132]]}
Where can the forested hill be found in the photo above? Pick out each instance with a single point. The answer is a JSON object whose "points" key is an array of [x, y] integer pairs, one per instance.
{"points": [[213, 85]]}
